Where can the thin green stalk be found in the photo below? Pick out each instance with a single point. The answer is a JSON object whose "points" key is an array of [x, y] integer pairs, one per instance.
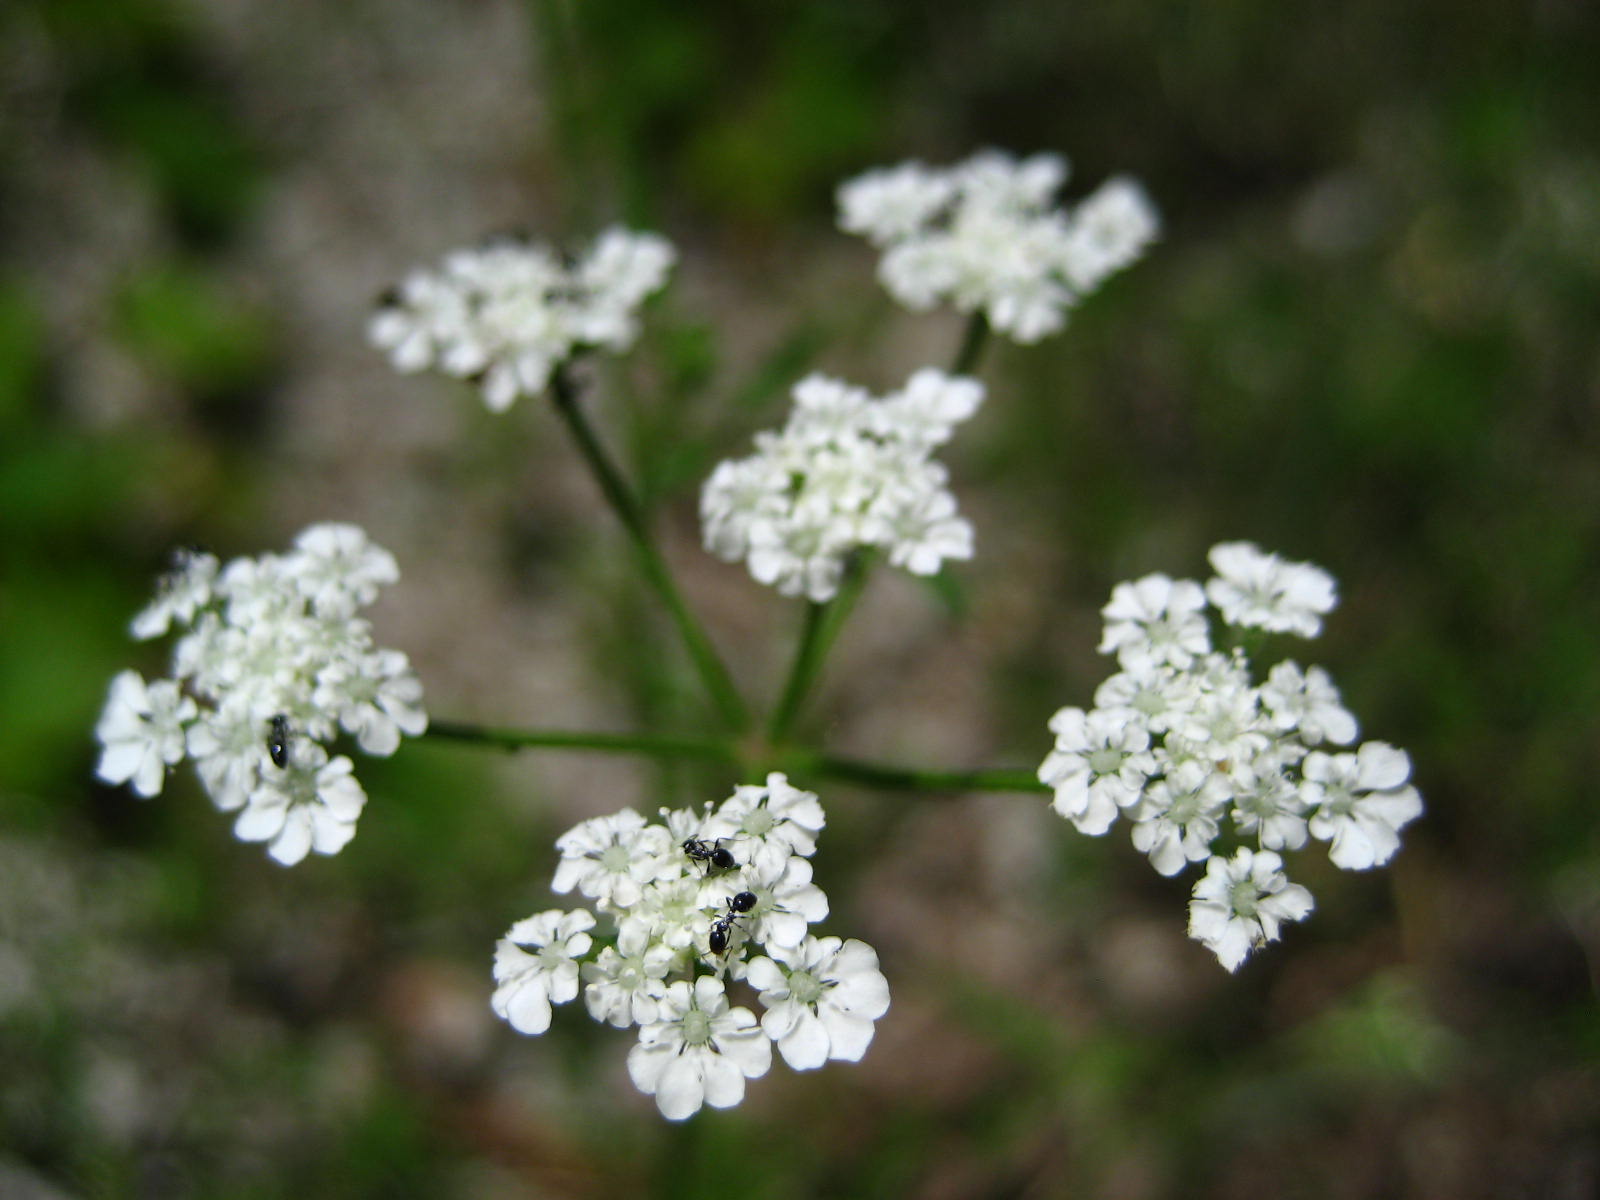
{"points": [[655, 745], [806, 661], [972, 344], [886, 777], [718, 682], [822, 624]]}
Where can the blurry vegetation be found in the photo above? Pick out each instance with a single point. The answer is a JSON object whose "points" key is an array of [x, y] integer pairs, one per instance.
{"points": [[1368, 339]]}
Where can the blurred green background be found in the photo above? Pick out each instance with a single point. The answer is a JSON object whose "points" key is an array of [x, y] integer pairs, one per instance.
{"points": [[1367, 339]]}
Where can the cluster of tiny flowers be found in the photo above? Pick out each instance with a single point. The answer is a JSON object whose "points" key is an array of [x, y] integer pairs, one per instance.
{"points": [[984, 236], [692, 903], [508, 313], [272, 664], [847, 471], [1183, 741]]}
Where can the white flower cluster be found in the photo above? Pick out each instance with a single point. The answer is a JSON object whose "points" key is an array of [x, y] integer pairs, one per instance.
{"points": [[1183, 740], [272, 664], [687, 903], [847, 471], [509, 312], [983, 235]]}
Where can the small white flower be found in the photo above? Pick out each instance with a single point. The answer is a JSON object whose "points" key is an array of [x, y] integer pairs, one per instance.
{"points": [[785, 904], [1308, 702], [377, 698], [1099, 765], [142, 730], [846, 472], [508, 313], [1176, 820], [1157, 697], [1155, 621], [609, 858], [181, 593], [894, 202], [1267, 802], [1240, 904], [1110, 230], [624, 985], [229, 749], [821, 999], [766, 823], [1361, 800], [535, 966], [700, 1052], [1256, 589], [984, 236], [312, 804], [339, 569]]}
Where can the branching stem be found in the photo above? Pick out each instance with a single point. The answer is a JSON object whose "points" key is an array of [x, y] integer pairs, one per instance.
{"points": [[564, 395]]}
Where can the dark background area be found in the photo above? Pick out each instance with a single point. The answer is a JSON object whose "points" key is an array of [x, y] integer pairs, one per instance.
{"points": [[1367, 339]]}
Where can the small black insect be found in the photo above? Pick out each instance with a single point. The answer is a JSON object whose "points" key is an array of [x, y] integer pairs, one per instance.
{"points": [[710, 853], [278, 741], [723, 925]]}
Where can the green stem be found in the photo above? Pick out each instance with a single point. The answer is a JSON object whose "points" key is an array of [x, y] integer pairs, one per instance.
{"points": [[972, 344], [812, 764], [719, 683], [807, 659], [655, 745], [886, 777], [822, 624]]}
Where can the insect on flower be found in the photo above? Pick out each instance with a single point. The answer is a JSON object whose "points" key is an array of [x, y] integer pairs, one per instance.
{"points": [[710, 853], [723, 925], [278, 741]]}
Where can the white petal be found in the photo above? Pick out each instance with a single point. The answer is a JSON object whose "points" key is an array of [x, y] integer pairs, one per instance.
{"points": [[291, 845], [646, 1062], [848, 1034], [805, 1046], [680, 1089], [723, 1081], [526, 1005]]}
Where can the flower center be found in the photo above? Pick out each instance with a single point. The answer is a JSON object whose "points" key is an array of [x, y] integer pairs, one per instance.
{"points": [[806, 988], [696, 1028], [614, 859], [758, 821], [1105, 761], [1244, 897]]}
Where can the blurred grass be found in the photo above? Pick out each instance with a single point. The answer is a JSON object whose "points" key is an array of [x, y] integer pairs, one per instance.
{"points": [[1367, 339]]}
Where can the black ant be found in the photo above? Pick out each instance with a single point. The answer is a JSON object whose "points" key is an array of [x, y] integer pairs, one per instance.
{"points": [[723, 925], [278, 741], [710, 853]]}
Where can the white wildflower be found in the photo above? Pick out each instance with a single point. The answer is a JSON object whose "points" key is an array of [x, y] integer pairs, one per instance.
{"points": [[535, 966], [1253, 588], [142, 730], [508, 313], [624, 985], [821, 999], [1361, 802], [312, 804], [983, 236], [609, 858], [1309, 703], [269, 643], [1240, 904], [1155, 621], [700, 1052], [846, 472], [1099, 766], [1177, 818]]}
